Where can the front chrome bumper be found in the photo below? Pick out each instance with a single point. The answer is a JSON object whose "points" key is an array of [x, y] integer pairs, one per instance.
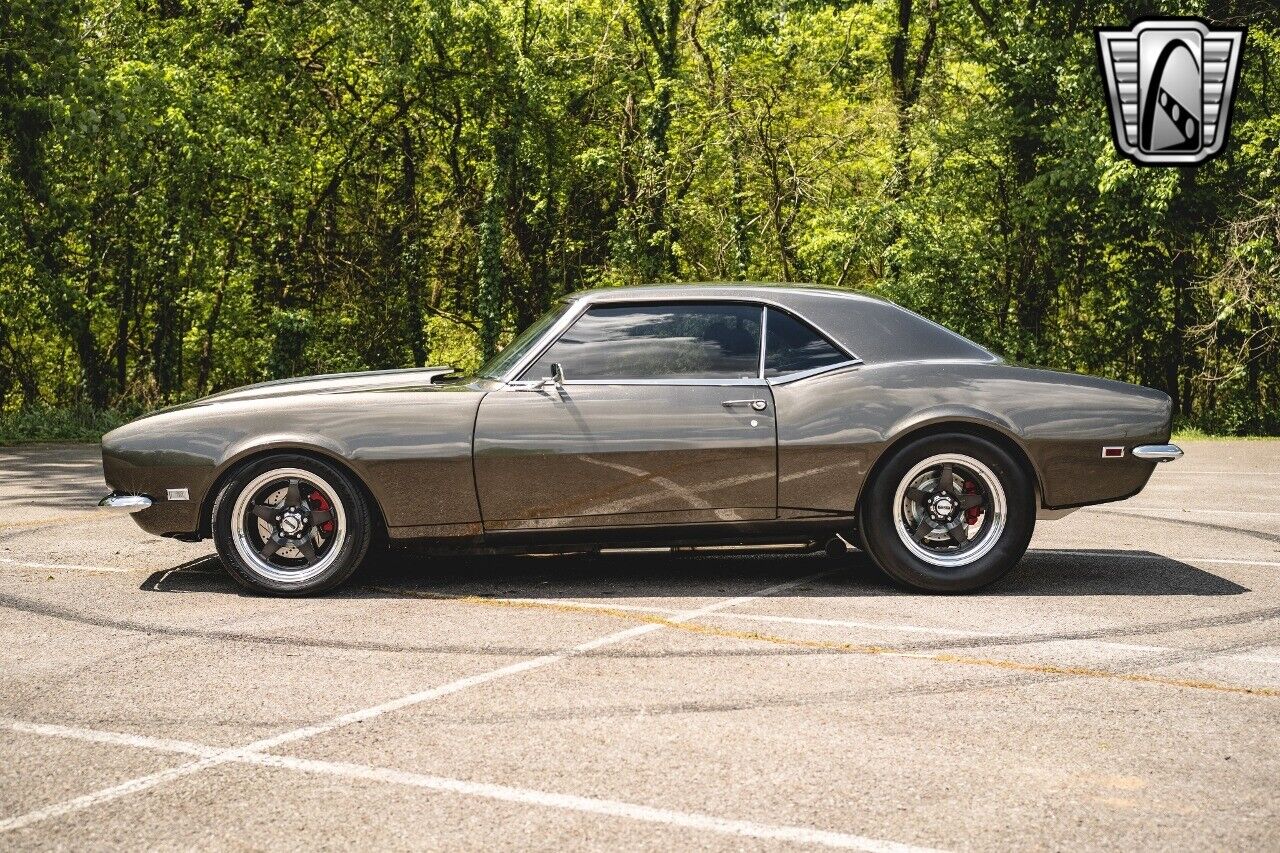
{"points": [[118, 503], [1158, 452]]}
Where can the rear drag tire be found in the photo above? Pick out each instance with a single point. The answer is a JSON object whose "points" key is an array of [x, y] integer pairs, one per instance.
{"points": [[948, 567]]}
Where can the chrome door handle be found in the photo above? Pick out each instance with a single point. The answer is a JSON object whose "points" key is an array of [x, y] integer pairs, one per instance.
{"points": [[758, 405]]}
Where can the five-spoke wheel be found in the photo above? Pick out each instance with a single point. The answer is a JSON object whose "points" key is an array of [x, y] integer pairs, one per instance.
{"points": [[290, 525], [951, 509], [948, 512]]}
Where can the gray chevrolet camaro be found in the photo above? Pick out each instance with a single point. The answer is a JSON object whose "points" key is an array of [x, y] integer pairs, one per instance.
{"points": [[682, 416]]}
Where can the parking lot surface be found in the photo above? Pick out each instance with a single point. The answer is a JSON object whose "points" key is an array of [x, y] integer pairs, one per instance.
{"points": [[1120, 689]]}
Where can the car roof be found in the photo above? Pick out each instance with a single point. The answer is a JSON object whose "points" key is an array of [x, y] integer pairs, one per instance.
{"points": [[875, 330], [779, 292]]}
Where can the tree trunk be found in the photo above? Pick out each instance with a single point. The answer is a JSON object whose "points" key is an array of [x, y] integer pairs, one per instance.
{"points": [[490, 295], [408, 266]]}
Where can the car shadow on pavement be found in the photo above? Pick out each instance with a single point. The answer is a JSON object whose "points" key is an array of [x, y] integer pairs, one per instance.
{"points": [[1042, 572]]}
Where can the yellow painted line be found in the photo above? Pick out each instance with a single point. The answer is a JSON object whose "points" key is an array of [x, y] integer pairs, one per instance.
{"points": [[836, 646]]}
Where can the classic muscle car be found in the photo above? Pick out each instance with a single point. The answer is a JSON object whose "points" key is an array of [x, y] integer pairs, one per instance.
{"points": [[681, 415]]}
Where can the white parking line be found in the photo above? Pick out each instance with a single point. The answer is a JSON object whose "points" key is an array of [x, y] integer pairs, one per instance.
{"points": [[505, 793], [897, 626], [768, 617], [885, 626], [143, 783], [114, 738]]}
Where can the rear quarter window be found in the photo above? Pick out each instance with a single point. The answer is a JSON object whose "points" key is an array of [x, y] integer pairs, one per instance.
{"points": [[793, 346]]}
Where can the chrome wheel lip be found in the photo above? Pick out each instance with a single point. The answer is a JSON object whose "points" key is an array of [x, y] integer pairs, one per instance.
{"points": [[241, 517], [992, 524]]}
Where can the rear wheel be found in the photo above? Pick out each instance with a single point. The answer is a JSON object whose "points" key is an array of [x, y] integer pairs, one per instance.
{"points": [[948, 513], [291, 525]]}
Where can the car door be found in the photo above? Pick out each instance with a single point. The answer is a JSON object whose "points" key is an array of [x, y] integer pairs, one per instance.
{"points": [[663, 417]]}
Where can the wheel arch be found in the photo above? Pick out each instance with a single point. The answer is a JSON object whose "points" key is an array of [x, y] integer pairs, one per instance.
{"points": [[1001, 436], [251, 455]]}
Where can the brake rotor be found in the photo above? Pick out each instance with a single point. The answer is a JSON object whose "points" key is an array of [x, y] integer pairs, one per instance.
{"points": [[317, 501]]}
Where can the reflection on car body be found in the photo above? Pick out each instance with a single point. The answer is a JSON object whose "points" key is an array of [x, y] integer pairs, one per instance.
{"points": [[672, 414]]}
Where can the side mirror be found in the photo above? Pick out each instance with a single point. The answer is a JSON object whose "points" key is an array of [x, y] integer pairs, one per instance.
{"points": [[556, 378]]}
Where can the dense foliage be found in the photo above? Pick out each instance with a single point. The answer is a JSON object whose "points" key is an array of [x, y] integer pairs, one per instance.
{"points": [[196, 194]]}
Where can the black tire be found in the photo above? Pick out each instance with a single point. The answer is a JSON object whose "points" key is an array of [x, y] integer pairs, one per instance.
{"points": [[995, 546], [236, 534]]}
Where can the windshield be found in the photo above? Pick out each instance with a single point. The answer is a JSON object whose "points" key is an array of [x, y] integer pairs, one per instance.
{"points": [[497, 366]]}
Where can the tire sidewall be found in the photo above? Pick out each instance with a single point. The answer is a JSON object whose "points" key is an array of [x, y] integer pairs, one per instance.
{"points": [[351, 552], [878, 515]]}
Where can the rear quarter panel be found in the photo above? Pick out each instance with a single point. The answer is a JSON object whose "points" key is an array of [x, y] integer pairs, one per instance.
{"points": [[833, 428]]}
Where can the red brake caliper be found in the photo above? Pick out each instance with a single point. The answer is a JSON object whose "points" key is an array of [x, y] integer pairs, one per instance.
{"points": [[971, 514], [318, 502]]}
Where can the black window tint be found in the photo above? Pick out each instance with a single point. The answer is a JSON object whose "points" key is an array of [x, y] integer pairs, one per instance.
{"points": [[792, 346], [678, 341]]}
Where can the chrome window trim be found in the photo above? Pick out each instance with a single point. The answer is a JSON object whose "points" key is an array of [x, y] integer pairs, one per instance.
{"points": [[754, 382], [764, 336], [788, 378], [584, 303], [550, 336], [783, 379]]}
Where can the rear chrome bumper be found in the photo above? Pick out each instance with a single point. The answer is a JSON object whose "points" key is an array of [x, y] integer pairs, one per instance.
{"points": [[1158, 452], [118, 503]]}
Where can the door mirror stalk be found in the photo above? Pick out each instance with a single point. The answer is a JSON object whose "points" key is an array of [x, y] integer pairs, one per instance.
{"points": [[556, 379]]}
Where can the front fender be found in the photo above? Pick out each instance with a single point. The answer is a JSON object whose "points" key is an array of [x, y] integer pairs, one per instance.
{"points": [[411, 450]]}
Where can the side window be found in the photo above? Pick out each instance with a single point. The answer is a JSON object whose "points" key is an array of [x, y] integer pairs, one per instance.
{"points": [[673, 341], [792, 346]]}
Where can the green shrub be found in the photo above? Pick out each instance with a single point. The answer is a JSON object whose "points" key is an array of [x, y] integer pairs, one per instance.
{"points": [[51, 424]]}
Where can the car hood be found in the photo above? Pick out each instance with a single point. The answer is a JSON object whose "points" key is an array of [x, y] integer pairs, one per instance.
{"points": [[417, 378]]}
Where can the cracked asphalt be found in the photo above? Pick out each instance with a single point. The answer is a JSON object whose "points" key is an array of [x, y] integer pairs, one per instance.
{"points": [[1120, 689]]}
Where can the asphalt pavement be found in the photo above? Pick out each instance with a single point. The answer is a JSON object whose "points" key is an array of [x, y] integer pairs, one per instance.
{"points": [[1120, 689]]}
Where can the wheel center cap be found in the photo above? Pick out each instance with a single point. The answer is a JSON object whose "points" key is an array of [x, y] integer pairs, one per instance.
{"points": [[291, 523], [943, 506]]}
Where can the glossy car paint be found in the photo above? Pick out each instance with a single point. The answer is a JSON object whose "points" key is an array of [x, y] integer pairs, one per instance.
{"points": [[602, 454], [408, 441], [626, 455], [1059, 422]]}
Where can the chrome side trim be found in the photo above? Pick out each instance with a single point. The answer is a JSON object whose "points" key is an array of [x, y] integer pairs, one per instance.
{"points": [[123, 504], [1158, 452]]}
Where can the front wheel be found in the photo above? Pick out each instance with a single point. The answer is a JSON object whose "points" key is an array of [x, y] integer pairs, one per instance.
{"points": [[948, 513], [291, 525]]}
